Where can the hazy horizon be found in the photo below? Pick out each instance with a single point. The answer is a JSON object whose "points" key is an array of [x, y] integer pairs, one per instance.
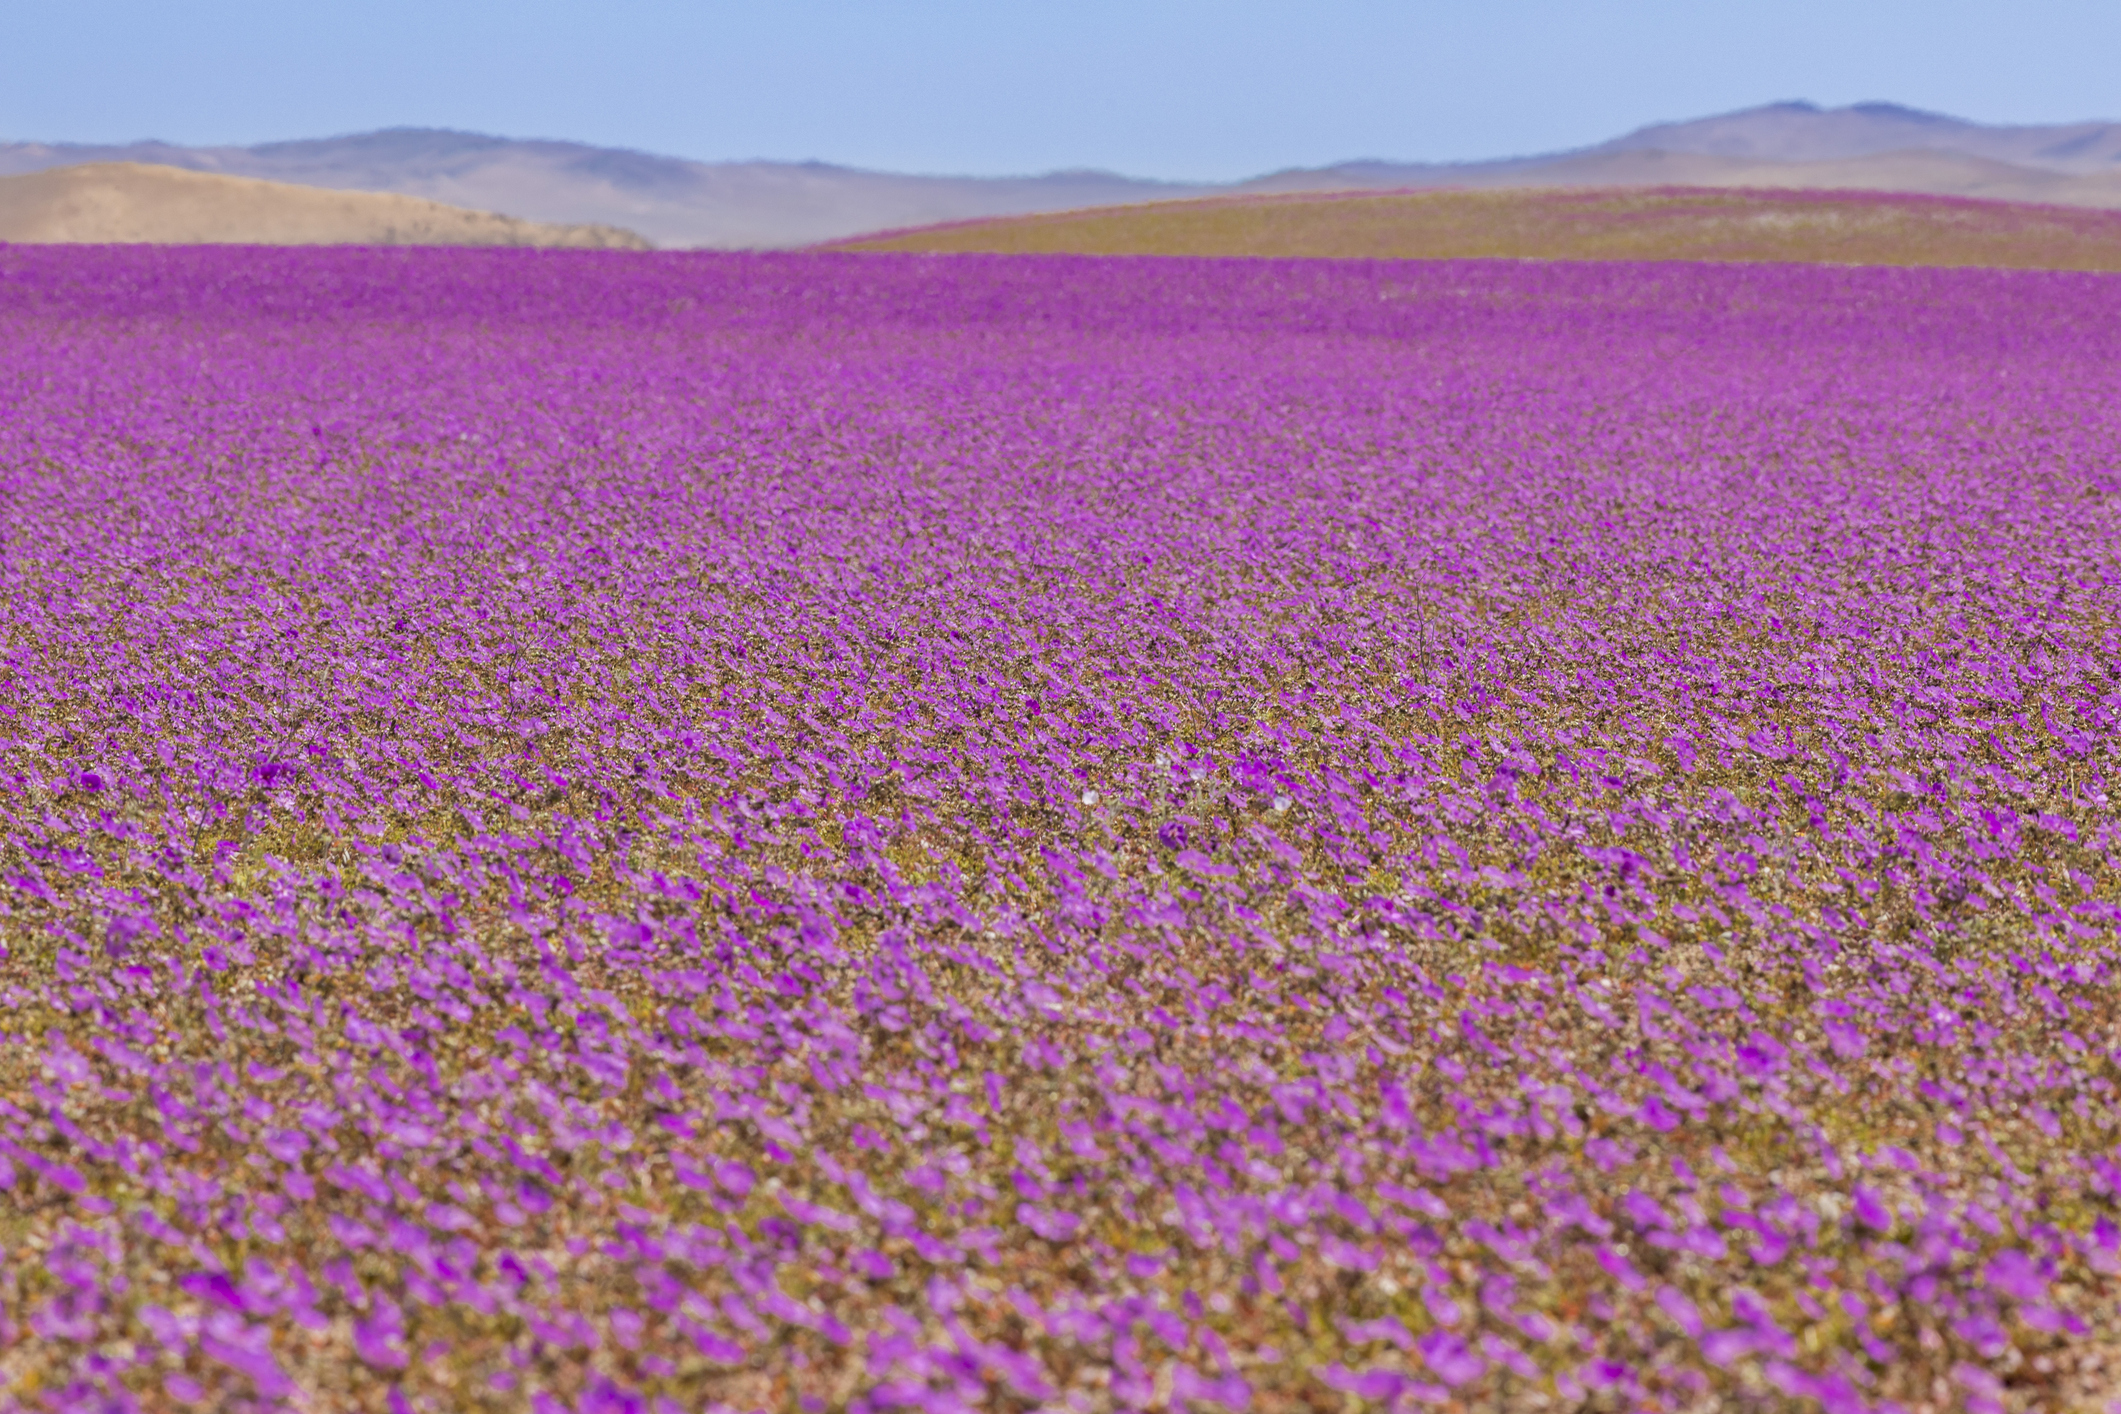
{"points": [[1175, 90], [1078, 169]]}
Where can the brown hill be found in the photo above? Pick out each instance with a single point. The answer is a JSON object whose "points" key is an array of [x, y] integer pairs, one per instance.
{"points": [[1913, 171], [129, 202], [674, 202], [1669, 223]]}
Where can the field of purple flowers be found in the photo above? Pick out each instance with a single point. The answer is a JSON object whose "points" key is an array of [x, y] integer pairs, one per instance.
{"points": [[591, 832]]}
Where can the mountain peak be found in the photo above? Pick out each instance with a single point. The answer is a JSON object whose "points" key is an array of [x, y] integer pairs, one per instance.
{"points": [[1798, 131], [1904, 113]]}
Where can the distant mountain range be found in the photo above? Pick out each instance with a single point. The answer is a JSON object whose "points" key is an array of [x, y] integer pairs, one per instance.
{"points": [[676, 202], [671, 201]]}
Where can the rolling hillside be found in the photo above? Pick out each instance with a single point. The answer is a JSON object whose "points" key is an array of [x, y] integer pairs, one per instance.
{"points": [[671, 201], [129, 202], [1671, 223], [678, 202]]}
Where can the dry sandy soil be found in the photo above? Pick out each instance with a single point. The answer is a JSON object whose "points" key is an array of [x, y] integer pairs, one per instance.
{"points": [[1668, 223], [133, 202]]}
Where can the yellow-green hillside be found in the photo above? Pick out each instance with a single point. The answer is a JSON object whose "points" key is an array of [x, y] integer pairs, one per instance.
{"points": [[1865, 228]]}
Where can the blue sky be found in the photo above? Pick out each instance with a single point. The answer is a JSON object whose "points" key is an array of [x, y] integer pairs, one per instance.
{"points": [[1167, 88]]}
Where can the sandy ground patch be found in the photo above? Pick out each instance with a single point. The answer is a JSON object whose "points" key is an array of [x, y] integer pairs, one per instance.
{"points": [[134, 202]]}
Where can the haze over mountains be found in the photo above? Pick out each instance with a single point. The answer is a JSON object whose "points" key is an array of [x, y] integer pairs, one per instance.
{"points": [[676, 202], [671, 201], [1864, 147]]}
